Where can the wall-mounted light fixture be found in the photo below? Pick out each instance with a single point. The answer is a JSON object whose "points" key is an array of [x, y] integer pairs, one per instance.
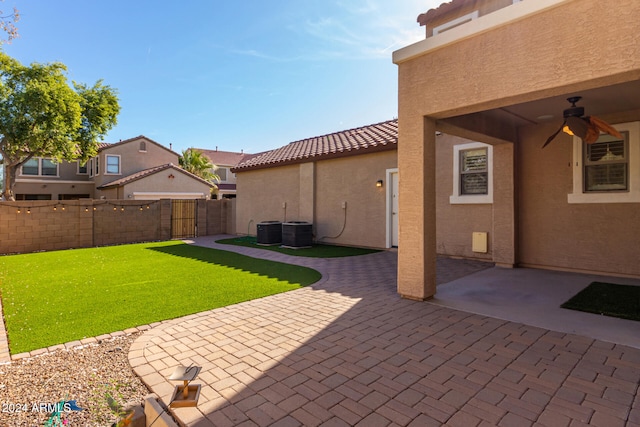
{"points": [[379, 183]]}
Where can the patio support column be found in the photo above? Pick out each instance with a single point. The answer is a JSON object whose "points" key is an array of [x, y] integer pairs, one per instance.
{"points": [[417, 208]]}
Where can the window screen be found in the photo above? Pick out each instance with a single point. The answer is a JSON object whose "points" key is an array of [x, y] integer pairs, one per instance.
{"points": [[606, 164], [473, 171]]}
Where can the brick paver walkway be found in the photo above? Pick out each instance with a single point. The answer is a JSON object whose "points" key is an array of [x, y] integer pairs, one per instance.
{"points": [[348, 351]]}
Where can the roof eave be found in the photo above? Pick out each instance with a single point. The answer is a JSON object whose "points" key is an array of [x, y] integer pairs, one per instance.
{"points": [[328, 156]]}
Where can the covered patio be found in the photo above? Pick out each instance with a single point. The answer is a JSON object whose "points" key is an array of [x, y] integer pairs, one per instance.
{"points": [[503, 79]]}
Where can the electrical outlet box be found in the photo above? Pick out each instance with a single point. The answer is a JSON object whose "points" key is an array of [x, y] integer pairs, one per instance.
{"points": [[344, 205], [284, 205]]}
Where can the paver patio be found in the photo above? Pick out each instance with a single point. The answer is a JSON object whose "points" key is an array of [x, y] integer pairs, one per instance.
{"points": [[348, 351]]}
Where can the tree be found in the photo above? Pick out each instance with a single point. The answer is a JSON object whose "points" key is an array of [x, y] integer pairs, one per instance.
{"points": [[41, 115], [7, 24], [197, 163]]}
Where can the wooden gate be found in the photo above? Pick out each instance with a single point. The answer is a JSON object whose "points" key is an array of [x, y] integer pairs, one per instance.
{"points": [[183, 219]]}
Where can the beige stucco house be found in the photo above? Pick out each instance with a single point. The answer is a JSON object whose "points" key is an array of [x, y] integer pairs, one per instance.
{"points": [[225, 161], [136, 168], [342, 183], [483, 92]]}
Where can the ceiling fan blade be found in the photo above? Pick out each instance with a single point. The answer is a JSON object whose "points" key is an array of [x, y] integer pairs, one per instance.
{"points": [[598, 125], [579, 126], [555, 134]]}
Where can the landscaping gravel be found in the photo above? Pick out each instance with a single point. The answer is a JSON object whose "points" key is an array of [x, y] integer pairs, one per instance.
{"points": [[29, 387]]}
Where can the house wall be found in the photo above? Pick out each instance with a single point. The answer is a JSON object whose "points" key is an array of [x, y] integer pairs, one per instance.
{"points": [[593, 237], [133, 160], [180, 183], [261, 195], [314, 192], [457, 222], [353, 180], [68, 182], [529, 59]]}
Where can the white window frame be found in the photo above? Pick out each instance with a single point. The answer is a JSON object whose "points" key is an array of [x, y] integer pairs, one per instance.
{"points": [[632, 195], [37, 160], [86, 165], [462, 199], [106, 166], [40, 168], [455, 22], [226, 173]]}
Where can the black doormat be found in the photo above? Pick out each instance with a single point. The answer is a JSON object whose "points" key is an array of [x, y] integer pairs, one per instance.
{"points": [[608, 299]]}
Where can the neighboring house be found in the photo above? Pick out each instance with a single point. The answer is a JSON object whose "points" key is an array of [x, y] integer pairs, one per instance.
{"points": [[491, 79], [136, 168], [225, 161], [342, 183]]}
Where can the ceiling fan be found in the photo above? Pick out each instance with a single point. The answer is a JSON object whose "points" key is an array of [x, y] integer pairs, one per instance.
{"points": [[587, 128]]}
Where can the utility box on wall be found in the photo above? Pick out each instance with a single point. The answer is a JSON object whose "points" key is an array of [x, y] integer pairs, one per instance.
{"points": [[479, 242]]}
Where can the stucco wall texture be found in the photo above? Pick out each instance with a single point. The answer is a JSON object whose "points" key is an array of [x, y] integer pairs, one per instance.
{"points": [[315, 192], [563, 49], [36, 226], [599, 237]]}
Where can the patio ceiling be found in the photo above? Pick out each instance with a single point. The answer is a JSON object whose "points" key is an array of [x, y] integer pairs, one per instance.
{"points": [[500, 125]]}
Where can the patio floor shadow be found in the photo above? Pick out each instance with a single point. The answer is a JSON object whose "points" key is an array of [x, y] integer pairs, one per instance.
{"points": [[348, 351]]}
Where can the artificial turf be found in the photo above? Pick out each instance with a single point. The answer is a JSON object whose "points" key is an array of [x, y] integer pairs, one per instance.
{"points": [[315, 251], [55, 297]]}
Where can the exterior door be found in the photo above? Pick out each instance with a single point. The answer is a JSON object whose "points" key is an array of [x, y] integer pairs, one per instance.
{"points": [[394, 209]]}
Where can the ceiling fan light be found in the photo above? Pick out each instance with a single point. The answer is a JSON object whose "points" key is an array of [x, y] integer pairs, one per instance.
{"points": [[578, 126], [566, 130]]}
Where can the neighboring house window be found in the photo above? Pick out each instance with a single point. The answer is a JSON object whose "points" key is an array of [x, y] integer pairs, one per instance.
{"points": [[143, 146], [98, 165], [113, 165], [472, 174], [49, 168], [82, 169], [607, 171], [222, 173], [90, 167], [40, 167], [31, 167]]}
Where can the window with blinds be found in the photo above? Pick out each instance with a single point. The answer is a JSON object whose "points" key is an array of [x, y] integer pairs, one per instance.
{"points": [[606, 164], [474, 171]]}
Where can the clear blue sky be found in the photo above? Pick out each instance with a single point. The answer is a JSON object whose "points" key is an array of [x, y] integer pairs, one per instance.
{"points": [[251, 75]]}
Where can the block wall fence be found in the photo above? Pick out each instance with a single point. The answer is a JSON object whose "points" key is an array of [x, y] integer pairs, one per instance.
{"points": [[31, 226]]}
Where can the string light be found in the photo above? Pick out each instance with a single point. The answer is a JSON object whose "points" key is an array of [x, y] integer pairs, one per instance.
{"points": [[58, 206]]}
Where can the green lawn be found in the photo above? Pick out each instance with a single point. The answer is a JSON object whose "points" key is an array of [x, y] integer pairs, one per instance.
{"points": [[316, 251], [55, 297]]}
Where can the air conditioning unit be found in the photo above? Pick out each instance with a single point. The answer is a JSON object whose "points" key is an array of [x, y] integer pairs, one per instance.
{"points": [[269, 233], [297, 234]]}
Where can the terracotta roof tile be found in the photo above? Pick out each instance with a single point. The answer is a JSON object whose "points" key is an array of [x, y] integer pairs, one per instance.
{"points": [[444, 8], [105, 145], [376, 137], [147, 172]]}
